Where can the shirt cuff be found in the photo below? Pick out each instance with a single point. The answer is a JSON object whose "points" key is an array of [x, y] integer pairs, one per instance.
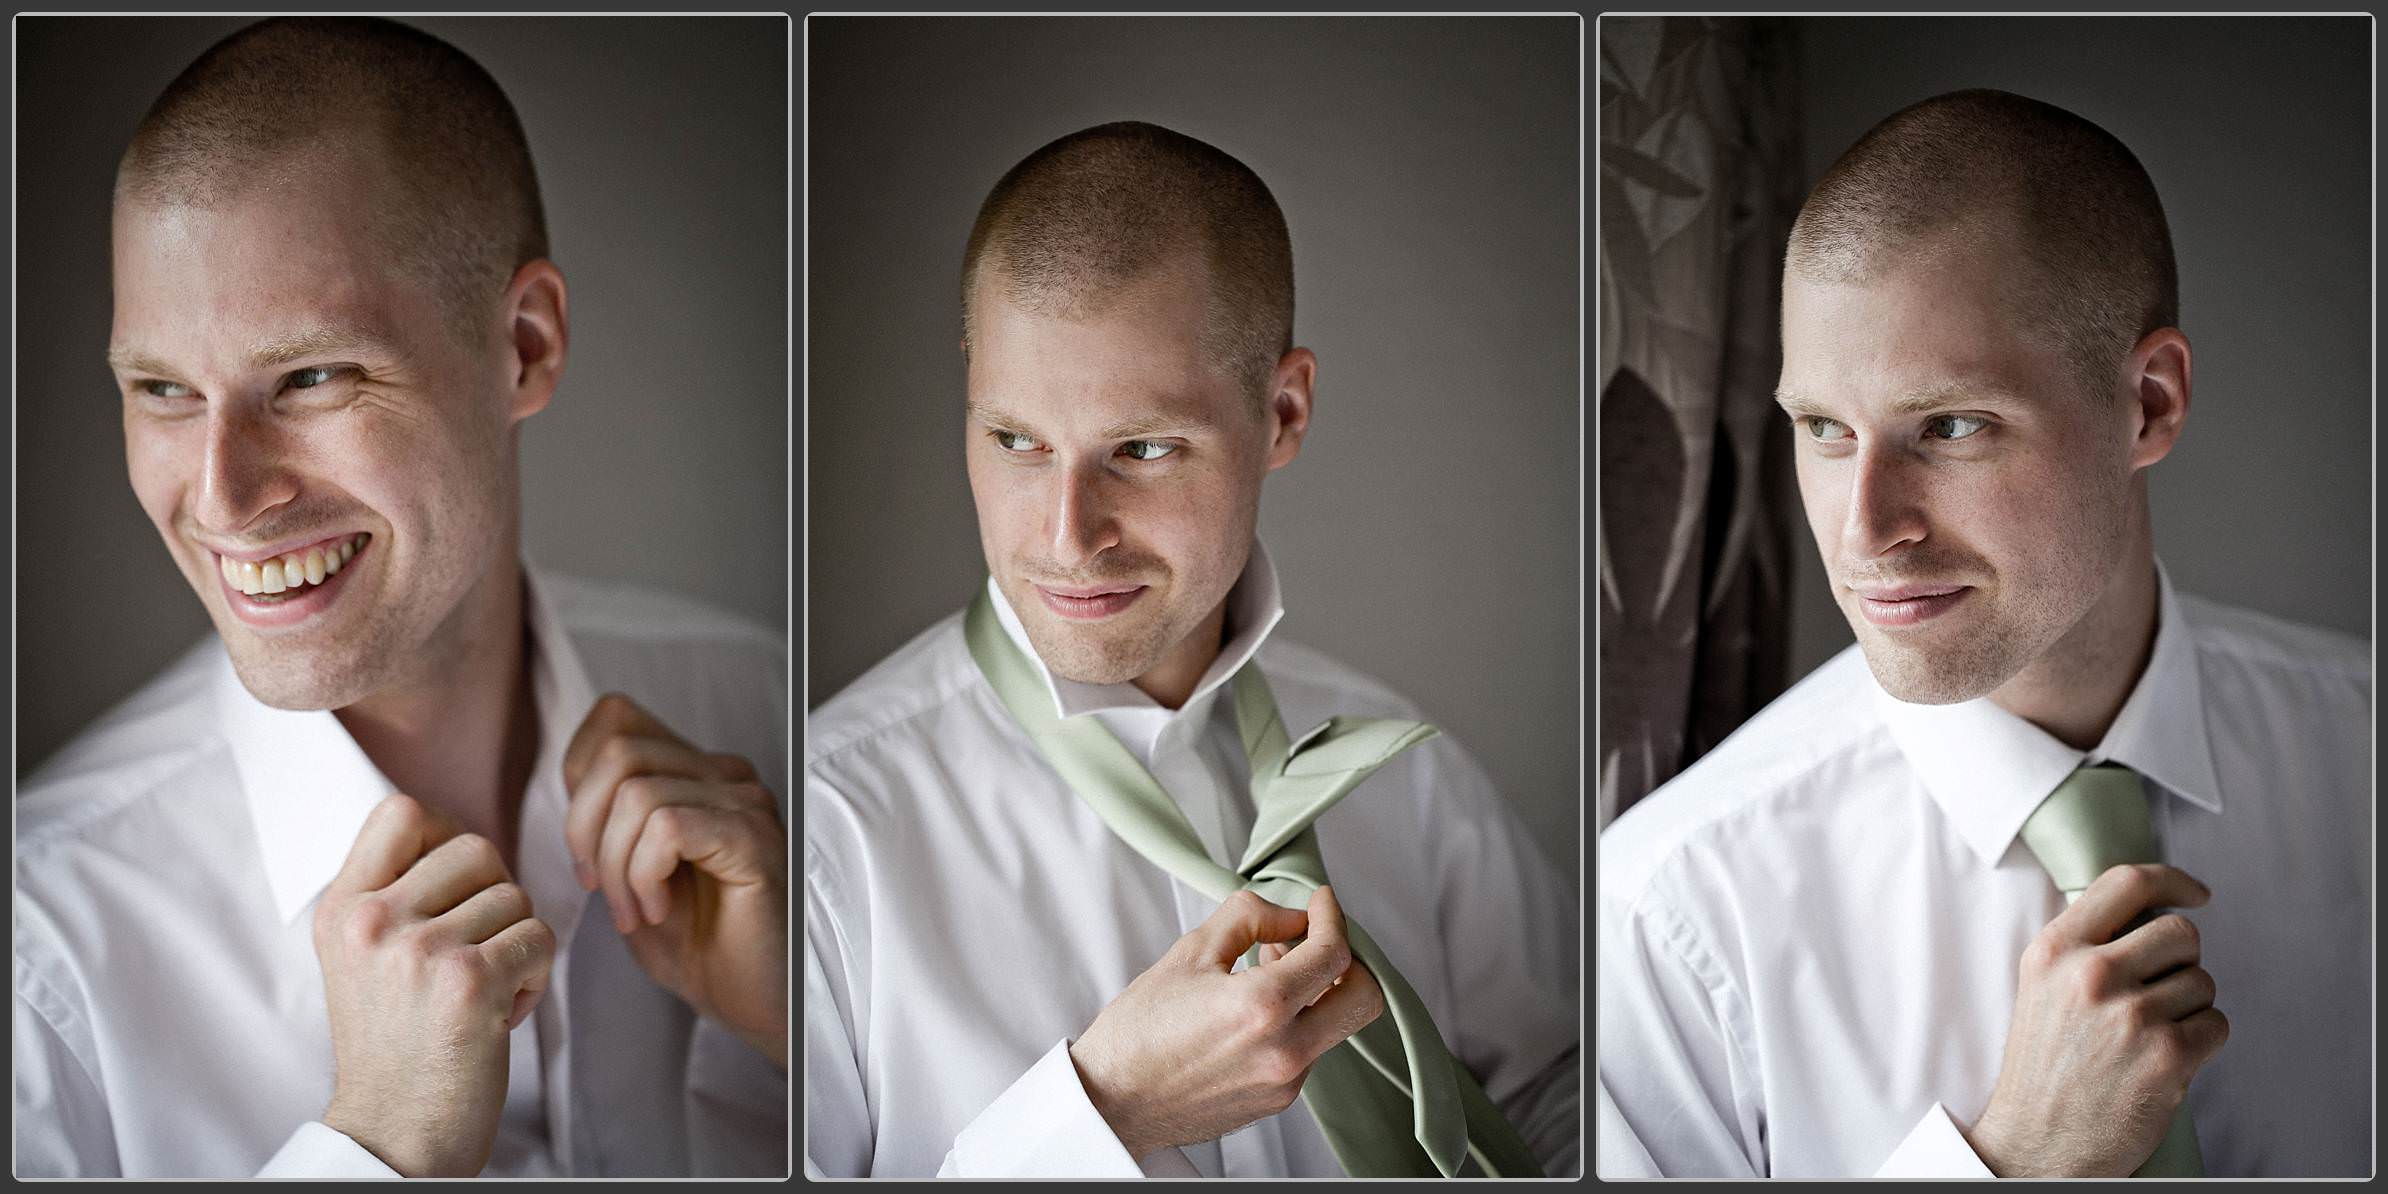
{"points": [[1044, 1125], [1934, 1148], [319, 1150]]}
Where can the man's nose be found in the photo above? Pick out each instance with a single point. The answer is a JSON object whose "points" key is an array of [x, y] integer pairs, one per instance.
{"points": [[244, 472], [1885, 506], [1083, 524]]}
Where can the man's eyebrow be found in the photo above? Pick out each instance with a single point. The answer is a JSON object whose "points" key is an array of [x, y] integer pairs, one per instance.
{"points": [[1798, 405], [1917, 401], [1129, 428], [266, 353]]}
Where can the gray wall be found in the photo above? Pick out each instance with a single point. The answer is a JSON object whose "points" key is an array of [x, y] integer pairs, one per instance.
{"points": [[1428, 171], [2257, 133], [662, 150]]}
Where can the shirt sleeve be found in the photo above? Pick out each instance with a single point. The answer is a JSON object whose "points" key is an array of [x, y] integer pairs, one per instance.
{"points": [[1934, 1148], [1674, 1074], [63, 1128], [839, 1130], [319, 1150], [1044, 1125], [1510, 950]]}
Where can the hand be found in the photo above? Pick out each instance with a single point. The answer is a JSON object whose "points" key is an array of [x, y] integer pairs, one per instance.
{"points": [[2105, 1035], [689, 849], [1190, 1051], [430, 958]]}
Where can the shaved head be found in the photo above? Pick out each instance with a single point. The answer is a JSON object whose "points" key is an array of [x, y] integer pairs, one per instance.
{"points": [[457, 205], [1989, 169], [1065, 231]]}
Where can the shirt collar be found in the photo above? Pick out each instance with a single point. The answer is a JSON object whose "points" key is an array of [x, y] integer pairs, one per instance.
{"points": [[1988, 769], [309, 785], [1254, 607]]}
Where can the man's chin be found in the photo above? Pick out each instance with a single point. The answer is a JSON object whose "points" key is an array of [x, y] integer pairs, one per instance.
{"points": [[1089, 656], [1943, 677], [294, 680]]}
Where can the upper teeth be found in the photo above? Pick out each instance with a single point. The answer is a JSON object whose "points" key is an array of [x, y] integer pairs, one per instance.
{"points": [[290, 571]]}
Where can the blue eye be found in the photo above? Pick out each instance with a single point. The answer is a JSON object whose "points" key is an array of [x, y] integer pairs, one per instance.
{"points": [[1976, 424], [1158, 450], [1006, 441], [157, 389], [1818, 425], [319, 373]]}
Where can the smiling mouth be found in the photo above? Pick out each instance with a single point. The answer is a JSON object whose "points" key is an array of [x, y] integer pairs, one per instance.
{"points": [[290, 575]]}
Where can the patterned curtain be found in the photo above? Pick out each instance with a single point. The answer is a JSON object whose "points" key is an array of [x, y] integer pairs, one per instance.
{"points": [[1700, 178]]}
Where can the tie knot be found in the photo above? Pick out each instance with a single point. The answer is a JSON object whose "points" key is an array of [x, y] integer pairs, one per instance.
{"points": [[2096, 819]]}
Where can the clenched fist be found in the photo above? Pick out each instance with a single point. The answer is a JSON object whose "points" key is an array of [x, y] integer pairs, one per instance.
{"points": [[2106, 1033], [430, 958], [1193, 1049], [689, 849]]}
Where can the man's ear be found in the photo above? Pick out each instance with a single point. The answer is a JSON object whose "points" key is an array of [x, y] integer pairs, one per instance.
{"points": [[2157, 373], [538, 329], [1289, 405]]}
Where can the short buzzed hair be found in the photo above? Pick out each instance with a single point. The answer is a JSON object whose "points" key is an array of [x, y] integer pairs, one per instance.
{"points": [[465, 211], [1985, 165], [1065, 229]]}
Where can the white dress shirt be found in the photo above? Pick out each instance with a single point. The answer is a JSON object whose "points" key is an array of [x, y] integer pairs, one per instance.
{"points": [[169, 1004], [966, 915], [1809, 939]]}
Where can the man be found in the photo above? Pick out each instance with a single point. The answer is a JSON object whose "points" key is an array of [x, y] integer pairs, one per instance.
{"points": [[1016, 966], [1908, 920], [322, 899]]}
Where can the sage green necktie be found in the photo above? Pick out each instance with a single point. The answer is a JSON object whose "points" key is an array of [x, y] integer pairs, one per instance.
{"points": [[1390, 1099], [2098, 818]]}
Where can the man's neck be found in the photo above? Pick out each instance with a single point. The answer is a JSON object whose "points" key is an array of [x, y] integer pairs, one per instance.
{"points": [[2075, 689], [464, 737]]}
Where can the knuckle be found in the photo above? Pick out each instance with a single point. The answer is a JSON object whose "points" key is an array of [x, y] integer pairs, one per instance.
{"points": [[458, 973], [472, 851], [1257, 1018], [614, 705], [670, 820], [2202, 981], [364, 921], [511, 898], [638, 795], [2093, 975], [2042, 954], [618, 752], [402, 810]]}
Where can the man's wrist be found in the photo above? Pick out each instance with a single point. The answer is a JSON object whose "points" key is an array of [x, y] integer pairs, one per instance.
{"points": [[1098, 1093], [1982, 1137]]}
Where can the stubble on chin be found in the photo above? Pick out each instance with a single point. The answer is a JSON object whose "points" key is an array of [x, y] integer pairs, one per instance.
{"points": [[1090, 655]]}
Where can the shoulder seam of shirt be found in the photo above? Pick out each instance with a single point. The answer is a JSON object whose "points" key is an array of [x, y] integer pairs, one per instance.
{"points": [[72, 824], [588, 606], [1777, 788], [1680, 939], [926, 702], [25, 979], [2222, 640]]}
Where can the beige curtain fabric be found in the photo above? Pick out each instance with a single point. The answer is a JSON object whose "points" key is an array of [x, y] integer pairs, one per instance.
{"points": [[1700, 178]]}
